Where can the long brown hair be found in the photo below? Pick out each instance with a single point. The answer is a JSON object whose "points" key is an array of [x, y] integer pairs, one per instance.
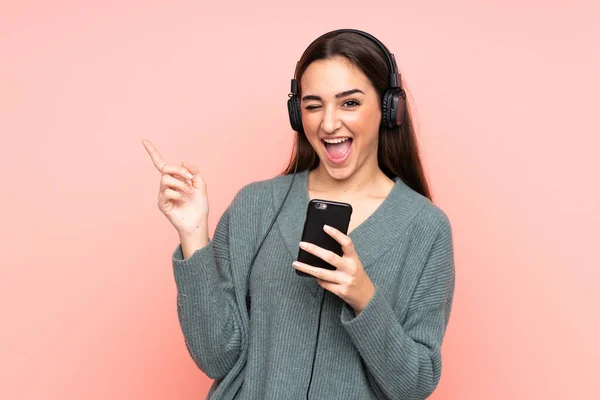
{"points": [[398, 151]]}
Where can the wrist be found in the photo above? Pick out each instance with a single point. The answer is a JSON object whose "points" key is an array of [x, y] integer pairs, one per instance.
{"points": [[369, 293], [196, 231], [192, 241]]}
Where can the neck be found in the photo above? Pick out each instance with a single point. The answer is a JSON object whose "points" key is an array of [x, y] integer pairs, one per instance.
{"points": [[366, 179]]}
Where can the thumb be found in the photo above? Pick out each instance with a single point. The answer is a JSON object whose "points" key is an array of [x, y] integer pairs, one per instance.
{"points": [[196, 179]]}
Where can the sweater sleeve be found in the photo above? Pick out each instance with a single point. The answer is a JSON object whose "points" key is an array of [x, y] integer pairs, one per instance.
{"points": [[404, 359], [206, 306]]}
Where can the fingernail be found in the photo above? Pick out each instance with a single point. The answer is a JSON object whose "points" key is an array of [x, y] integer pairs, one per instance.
{"points": [[303, 245], [188, 175], [327, 227]]}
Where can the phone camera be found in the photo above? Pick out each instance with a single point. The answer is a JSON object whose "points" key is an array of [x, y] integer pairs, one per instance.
{"points": [[321, 206]]}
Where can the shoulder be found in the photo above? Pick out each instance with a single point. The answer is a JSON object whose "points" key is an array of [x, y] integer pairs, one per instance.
{"points": [[427, 216], [434, 219], [261, 189], [256, 193], [432, 229]]}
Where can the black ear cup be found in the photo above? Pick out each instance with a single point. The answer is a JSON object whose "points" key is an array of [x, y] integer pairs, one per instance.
{"points": [[295, 113], [393, 106], [393, 102], [385, 109]]}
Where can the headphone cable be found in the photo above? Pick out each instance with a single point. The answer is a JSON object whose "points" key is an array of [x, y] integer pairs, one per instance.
{"points": [[312, 368], [248, 300]]}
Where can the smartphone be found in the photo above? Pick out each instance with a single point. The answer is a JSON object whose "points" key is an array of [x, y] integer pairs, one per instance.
{"points": [[319, 213]]}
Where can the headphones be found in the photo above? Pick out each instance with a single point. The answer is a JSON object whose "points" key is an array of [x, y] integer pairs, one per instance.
{"points": [[393, 106], [393, 103]]}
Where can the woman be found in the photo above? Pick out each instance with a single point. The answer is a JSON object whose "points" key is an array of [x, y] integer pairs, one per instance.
{"points": [[372, 328]]}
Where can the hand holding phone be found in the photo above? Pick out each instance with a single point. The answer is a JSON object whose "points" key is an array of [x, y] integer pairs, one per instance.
{"points": [[318, 214]]}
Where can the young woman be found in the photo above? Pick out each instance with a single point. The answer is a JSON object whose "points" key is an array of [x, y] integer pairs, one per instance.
{"points": [[373, 327]]}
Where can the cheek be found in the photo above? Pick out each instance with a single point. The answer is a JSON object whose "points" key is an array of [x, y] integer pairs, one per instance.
{"points": [[365, 126], [310, 123], [363, 120]]}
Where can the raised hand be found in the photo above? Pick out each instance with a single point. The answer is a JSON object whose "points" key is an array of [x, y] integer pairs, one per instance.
{"points": [[182, 195]]}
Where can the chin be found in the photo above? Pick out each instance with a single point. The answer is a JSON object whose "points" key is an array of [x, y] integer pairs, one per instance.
{"points": [[337, 172]]}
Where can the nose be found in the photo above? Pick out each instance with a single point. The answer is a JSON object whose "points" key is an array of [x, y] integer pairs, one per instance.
{"points": [[331, 121]]}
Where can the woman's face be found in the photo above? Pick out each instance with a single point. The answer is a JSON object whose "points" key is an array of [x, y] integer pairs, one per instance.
{"points": [[340, 116]]}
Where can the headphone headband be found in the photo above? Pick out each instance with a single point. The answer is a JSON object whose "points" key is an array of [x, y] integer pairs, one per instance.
{"points": [[393, 101], [395, 79]]}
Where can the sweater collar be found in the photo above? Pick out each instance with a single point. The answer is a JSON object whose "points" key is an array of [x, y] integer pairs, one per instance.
{"points": [[372, 238]]}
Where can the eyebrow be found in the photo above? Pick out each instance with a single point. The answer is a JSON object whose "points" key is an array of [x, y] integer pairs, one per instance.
{"points": [[337, 96]]}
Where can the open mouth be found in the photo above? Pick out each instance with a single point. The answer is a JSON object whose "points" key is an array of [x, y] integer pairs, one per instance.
{"points": [[337, 149]]}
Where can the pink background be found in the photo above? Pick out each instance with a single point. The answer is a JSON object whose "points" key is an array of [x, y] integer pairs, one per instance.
{"points": [[506, 101]]}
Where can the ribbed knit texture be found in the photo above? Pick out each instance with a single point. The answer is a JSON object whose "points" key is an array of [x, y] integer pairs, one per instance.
{"points": [[391, 350]]}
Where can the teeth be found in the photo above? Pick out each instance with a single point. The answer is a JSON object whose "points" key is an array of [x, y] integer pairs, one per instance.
{"points": [[335, 140]]}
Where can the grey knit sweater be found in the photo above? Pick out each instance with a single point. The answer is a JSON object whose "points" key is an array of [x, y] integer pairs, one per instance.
{"points": [[391, 350]]}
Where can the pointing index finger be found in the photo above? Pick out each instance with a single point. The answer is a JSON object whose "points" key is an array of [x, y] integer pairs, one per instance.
{"points": [[157, 159]]}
